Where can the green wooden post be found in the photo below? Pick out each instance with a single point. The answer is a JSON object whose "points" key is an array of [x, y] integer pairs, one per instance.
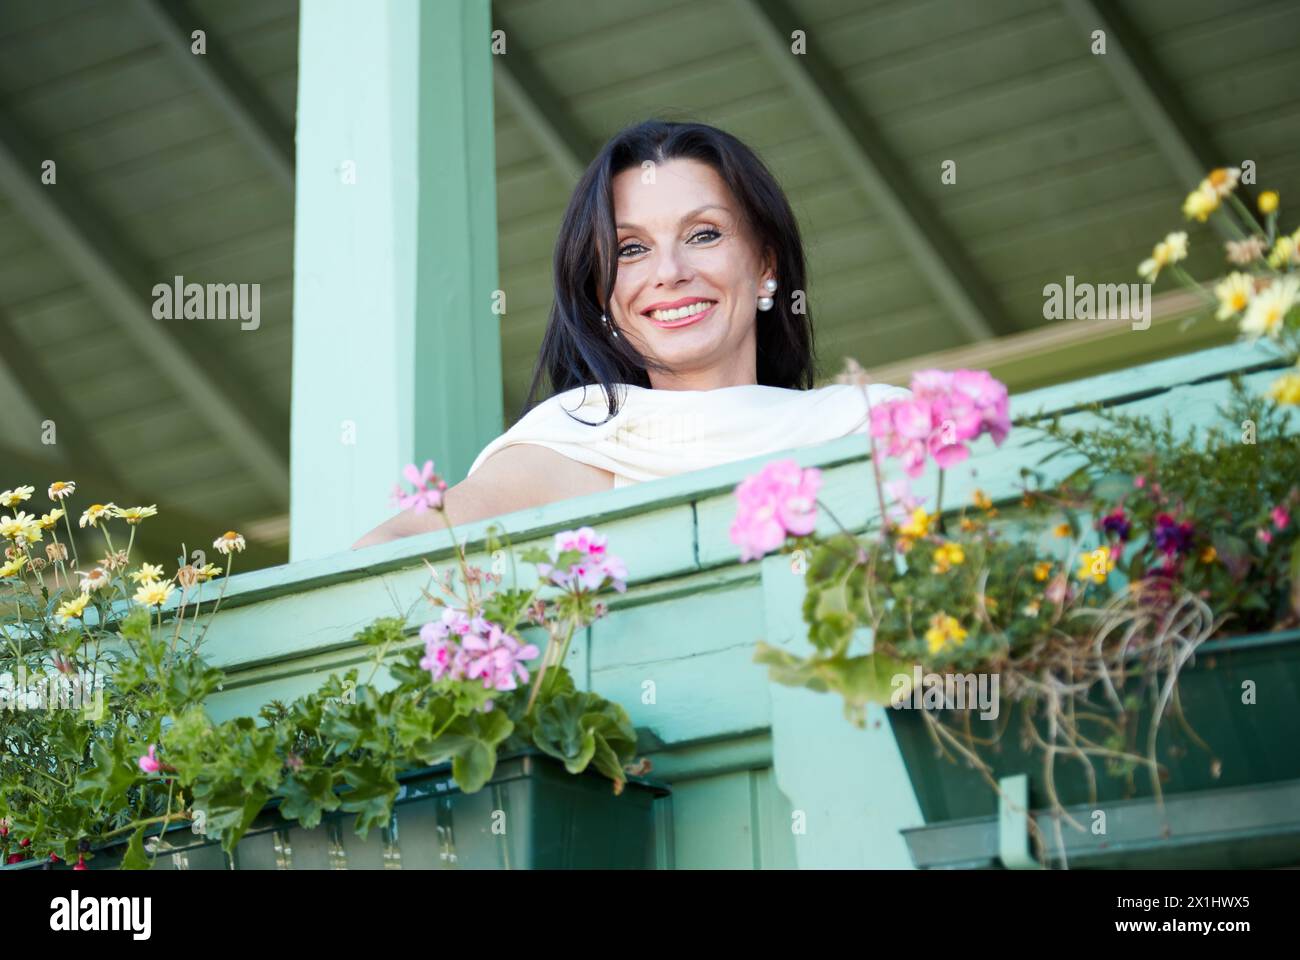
{"points": [[397, 352]]}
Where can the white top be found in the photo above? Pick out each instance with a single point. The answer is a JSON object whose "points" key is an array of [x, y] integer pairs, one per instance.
{"points": [[661, 433]]}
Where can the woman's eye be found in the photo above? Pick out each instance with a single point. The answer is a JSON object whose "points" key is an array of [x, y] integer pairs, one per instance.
{"points": [[630, 248], [709, 234]]}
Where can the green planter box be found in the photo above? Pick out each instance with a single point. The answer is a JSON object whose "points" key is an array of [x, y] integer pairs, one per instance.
{"points": [[1253, 744], [532, 814]]}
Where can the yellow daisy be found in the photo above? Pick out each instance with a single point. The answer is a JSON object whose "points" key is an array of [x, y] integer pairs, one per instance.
{"points": [[72, 608], [97, 512], [948, 556], [1234, 293], [1286, 389], [1042, 570], [917, 526], [1095, 564], [154, 594], [10, 568], [133, 515], [1268, 310], [11, 498], [1169, 250], [944, 631], [148, 573], [97, 579], [62, 489]]}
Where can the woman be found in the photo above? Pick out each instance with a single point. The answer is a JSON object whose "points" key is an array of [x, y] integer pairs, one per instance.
{"points": [[679, 337]]}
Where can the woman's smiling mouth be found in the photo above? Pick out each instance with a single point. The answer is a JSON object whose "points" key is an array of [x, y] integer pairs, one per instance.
{"points": [[679, 313]]}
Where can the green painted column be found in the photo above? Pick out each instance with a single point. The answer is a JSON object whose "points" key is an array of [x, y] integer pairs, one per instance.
{"points": [[396, 354]]}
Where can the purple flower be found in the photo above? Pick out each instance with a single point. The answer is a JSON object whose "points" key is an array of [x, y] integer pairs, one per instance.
{"points": [[1171, 537], [1116, 523], [592, 570]]}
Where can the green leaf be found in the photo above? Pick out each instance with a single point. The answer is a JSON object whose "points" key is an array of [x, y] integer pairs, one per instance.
{"points": [[308, 794], [373, 790], [112, 773], [135, 858]]}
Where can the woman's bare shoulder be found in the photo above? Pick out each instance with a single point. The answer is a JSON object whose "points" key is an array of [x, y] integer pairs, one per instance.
{"points": [[525, 475]]}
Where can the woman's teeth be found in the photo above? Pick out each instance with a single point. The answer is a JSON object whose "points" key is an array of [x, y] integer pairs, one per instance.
{"points": [[681, 313]]}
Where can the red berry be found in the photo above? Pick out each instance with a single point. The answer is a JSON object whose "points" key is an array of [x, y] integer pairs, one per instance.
{"points": [[25, 842]]}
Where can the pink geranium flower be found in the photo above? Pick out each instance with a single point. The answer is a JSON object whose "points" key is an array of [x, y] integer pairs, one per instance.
{"points": [[428, 491], [778, 501], [945, 412], [1280, 517], [149, 762], [594, 568]]}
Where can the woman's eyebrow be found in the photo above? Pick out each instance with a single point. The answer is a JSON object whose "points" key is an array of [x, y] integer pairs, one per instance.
{"points": [[688, 216]]}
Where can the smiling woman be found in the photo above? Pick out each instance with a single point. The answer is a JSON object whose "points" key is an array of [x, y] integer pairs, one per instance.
{"points": [[679, 337]]}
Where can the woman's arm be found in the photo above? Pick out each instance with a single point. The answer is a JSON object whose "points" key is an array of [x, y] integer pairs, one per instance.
{"points": [[514, 478]]}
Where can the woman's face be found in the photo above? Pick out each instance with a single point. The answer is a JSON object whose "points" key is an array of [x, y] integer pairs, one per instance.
{"points": [[690, 273]]}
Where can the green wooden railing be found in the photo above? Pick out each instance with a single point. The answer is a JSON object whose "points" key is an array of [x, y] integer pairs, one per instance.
{"points": [[761, 775]]}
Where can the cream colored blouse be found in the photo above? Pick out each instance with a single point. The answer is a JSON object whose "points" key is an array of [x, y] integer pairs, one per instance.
{"points": [[661, 433]]}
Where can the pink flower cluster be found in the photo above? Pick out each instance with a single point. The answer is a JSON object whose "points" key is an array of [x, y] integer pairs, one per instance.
{"points": [[460, 647], [596, 565], [428, 489], [779, 500], [945, 412]]}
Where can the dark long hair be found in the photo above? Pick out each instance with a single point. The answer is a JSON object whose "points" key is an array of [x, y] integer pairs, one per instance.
{"points": [[577, 350]]}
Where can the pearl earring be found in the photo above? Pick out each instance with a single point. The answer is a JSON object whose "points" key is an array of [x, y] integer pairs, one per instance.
{"points": [[767, 302], [605, 320]]}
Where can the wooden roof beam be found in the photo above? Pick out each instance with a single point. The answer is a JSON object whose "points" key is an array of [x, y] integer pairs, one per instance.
{"points": [[941, 259], [195, 364], [240, 102]]}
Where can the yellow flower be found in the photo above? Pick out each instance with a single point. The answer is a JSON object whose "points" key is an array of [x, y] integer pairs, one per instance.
{"points": [[96, 512], [229, 542], [50, 519], [1096, 564], [1169, 250], [1209, 554], [154, 594], [207, 572], [1286, 389], [133, 515], [148, 573], [11, 568], [917, 526], [1234, 293], [1042, 570], [948, 556], [1268, 201], [1201, 202], [1062, 530], [1268, 310], [1222, 180], [11, 498], [72, 608], [1283, 253], [61, 489], [944, 631], [982, 499], [21, 526]]}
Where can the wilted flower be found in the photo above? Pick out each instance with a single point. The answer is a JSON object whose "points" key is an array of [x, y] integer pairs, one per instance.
{"points": [[56, 551], [1242, 253], [117, 560]]}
